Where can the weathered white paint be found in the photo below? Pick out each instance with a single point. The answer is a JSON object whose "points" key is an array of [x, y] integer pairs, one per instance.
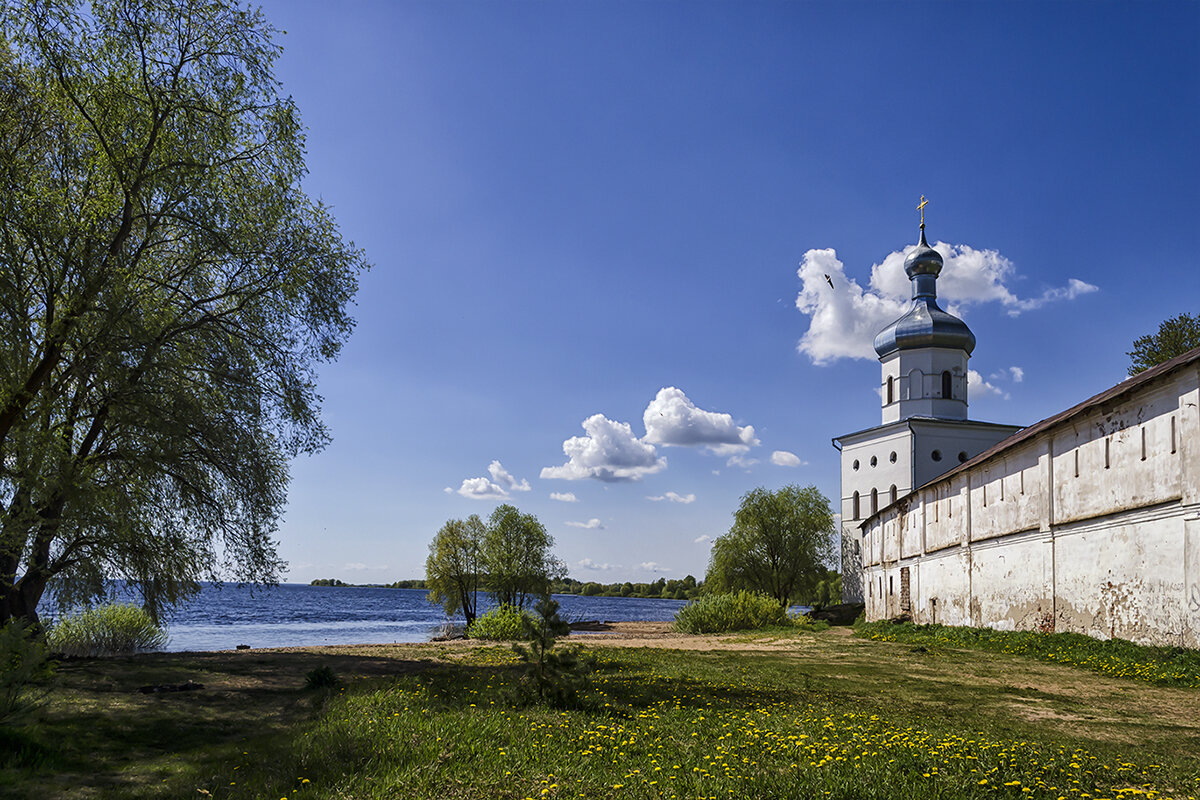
{"points": [[1091, 525]]}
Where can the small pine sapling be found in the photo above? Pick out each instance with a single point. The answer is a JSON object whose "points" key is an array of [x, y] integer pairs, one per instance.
{"points": [[553, 675]]}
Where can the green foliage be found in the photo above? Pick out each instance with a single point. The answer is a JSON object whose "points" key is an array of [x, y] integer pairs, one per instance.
{"points": [[734, 611], [169, 291], [779, 544], [1169, 666], [25, 669], [1175, 336], [553, 675], [322, 677], [107, 630], [516, 559], [508, 556], [327, 582], [500, 624], [683, 589], [826, 590], [452, 570]]}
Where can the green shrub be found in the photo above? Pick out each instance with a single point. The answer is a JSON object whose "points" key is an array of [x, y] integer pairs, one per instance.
{"points": [[108, 630], [737, 611], [24, 669], [322, 677], [501, 624]]}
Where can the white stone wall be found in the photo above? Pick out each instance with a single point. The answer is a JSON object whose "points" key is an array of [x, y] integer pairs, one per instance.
{"points": [[1091, 526]]}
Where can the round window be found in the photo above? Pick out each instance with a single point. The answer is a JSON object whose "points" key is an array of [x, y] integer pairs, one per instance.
{"points": [[892, 457], [936, 455], [855, 465], [962, 456], [874, 461]]}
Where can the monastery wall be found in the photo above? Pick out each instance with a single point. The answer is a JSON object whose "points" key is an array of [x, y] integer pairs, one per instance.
{"points": [[1091, 524]]}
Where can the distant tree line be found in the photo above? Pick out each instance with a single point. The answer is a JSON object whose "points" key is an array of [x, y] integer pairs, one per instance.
{"points": [[684, 589], [409, 584]]}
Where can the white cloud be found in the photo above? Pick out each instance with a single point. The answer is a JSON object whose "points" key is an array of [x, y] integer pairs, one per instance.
{"points": [[564, 497], [358, 566], [495, 488], [672, 419], [741, 461], [1017, 373], [588, 564], [652, 566], [591, 524], [609, 452], [705, 539], [978, 387], [502, 478], [783, 458], [479, 489], [675, 497], [845, 318]]}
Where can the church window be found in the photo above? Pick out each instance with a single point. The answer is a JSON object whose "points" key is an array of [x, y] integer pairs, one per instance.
{"points": [[1172, 434], [874, 461], [854, 506], [936, 455], [1022, 481], [1076, 462], [1002, 488], [915, 388], [892, 494], [855, 466], [962, 456], [946, 384], [1143, 443], [890, 390], [874, 500], [983, 491], [1107, 463], [891, 584], [892, 457]]}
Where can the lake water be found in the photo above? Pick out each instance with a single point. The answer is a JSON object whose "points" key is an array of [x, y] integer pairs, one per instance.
{"points": [[296, 614]]}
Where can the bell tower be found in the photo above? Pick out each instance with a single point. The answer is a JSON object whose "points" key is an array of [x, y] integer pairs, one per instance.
{"points": [[924, 430], [924, 353]]}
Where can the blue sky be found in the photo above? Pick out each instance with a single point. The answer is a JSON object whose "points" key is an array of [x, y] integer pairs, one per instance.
{"points": [[571, 207]]}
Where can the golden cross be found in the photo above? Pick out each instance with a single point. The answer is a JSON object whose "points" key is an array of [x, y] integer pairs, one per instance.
{"points": [[921, 208]]}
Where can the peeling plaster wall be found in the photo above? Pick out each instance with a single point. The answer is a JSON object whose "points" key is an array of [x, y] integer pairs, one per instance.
{"points": [[1092, 525]]}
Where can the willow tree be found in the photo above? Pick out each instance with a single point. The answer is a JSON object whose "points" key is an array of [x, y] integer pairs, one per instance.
{"points": [[779, 544], [452, 570], [516, 558], [167, 290]]}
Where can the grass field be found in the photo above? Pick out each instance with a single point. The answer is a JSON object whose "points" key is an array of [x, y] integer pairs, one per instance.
{"points": [[766, 715]]}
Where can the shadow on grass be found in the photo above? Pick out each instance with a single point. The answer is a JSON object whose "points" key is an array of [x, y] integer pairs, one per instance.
{"points": [[103, 737]]}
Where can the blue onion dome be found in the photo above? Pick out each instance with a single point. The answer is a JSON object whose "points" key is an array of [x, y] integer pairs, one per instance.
{"points": [[923, 261], [925, 324]]}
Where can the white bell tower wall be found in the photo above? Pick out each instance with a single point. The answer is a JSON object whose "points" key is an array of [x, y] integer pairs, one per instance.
{"points": [[929, 382]]}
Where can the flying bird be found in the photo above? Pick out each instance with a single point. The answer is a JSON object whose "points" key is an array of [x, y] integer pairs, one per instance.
{"points": [[829, 280]]}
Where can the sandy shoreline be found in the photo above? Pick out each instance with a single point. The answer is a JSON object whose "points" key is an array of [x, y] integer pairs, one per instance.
{"points": [[621, 634]]}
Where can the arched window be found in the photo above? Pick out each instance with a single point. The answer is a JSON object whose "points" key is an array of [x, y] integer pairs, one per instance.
{"points": [[891, 391], [946, 385], [874, 500], [915, 388], [854, 506], [892, 494]]}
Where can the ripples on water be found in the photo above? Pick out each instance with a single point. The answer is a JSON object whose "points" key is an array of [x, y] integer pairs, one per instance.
{"points": [[296, 614]]}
